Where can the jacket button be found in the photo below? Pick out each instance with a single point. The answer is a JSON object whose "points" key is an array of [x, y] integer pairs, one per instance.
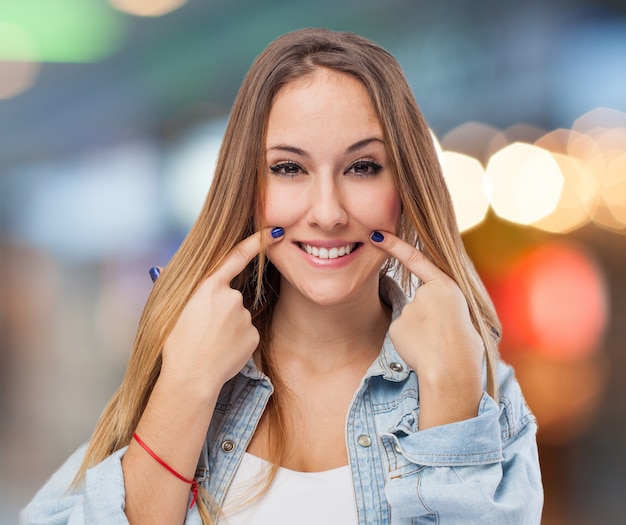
{"points": [[364, 441], [228, 446], [396, 367]]}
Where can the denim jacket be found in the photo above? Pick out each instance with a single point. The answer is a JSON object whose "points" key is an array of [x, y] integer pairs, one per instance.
{"points": [[483, 470]]}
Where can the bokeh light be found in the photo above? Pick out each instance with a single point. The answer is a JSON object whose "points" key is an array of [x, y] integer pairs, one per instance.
{"points": [[553, 301], [91, 206], [523, 132], [16, 44], [525, 183], [578, 197], [147, 7], [16, 77], [475, 139], [465, 178], [189, 172], [59, 30], [564, 396], [601, 117], [614, 189]]}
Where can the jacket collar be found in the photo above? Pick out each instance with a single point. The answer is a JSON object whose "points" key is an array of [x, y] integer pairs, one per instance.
{"points": [[389, 364]]}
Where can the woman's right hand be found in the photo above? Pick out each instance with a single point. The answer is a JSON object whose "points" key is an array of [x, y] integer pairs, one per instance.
{"points": [[214, 336], [211, 341]]}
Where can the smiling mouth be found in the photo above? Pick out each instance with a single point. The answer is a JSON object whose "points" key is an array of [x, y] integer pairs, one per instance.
{"points": [[329, 253]]}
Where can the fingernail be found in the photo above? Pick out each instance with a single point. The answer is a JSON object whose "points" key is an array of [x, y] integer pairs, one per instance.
{"points": [[277, 232], [154, 273], [378, 237]]}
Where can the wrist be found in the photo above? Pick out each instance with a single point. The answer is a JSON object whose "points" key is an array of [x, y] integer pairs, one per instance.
{"points": [[189, 389], [448, 400]]}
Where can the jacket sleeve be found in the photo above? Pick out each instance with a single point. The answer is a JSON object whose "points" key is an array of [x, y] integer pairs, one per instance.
{"points": [[98, 501], [484, 470]]}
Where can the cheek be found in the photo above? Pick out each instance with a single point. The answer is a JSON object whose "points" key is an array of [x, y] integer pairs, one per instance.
{"points": [[381, 212], [280, 208]]}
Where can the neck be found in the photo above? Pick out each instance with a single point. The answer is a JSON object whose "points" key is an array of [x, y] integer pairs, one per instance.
{"points": [[328, 337]]}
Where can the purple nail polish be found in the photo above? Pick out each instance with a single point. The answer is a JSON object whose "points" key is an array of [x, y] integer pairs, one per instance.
{"points": [[378, 237], [154, 273]]}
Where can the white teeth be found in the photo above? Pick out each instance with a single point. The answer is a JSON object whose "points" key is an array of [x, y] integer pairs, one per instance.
{"points": [[328, 253]]}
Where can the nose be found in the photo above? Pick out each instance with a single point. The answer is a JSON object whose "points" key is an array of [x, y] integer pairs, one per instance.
{"points": [[327, 208]]}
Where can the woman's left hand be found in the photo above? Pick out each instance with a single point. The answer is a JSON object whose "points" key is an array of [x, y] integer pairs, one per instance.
{"points": [[435, 336]]}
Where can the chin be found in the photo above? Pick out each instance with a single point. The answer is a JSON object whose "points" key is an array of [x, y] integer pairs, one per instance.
{"points": [[331, 291]]}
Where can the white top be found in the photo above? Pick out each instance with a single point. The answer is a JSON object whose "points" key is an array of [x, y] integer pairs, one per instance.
{"points": [[305, 498]]}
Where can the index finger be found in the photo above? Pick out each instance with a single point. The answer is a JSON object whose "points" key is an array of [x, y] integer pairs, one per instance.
{"points": [[243, 252], [412, 258]]}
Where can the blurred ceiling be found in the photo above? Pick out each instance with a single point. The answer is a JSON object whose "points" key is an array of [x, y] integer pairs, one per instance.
{"points": [[543, 62]]}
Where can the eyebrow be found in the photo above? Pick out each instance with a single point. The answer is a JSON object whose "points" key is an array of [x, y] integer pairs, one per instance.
{"points": [[362, 143], [350, 149]]}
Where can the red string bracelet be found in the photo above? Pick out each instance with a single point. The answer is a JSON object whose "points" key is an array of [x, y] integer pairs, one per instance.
{"points": [[192, 482]]}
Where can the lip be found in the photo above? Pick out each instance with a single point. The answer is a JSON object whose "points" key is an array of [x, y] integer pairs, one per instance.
{"points": [[328, 245]]}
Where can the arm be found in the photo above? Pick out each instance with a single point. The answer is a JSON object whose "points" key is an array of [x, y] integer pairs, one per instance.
{"points": [[480, 470], [465, 459], [99, 500], [435, 336], [211, 341], [174, 425], [102, 498]]}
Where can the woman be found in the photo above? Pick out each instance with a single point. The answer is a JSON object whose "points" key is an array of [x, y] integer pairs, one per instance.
{"points": [[275, 349]]}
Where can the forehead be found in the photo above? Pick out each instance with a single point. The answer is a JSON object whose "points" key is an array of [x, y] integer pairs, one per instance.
{"points": [[324, 97], [321, 79]]}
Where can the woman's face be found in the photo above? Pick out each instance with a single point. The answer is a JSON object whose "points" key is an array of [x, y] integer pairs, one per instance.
{"points": [[329, 185]]}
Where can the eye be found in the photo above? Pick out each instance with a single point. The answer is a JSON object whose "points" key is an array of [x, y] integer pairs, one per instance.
{"points": [[286, 168], [365, 168]]}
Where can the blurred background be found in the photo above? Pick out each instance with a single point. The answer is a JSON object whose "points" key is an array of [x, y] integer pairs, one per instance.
{"points": [[111, 113]]}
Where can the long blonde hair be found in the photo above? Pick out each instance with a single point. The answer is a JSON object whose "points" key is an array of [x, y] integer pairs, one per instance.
{"points": [[232, 210]]}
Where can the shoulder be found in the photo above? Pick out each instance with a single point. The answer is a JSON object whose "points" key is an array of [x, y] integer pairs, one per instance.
{"points": [[61, 481], [55, 499], [99, 498]]}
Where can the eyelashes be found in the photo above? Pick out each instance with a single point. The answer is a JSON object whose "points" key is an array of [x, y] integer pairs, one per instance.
{"points": [[287, 168], [360, 168], [365, 167]]}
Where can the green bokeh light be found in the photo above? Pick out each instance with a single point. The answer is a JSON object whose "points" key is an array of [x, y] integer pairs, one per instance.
{"points": [[59, 30]]}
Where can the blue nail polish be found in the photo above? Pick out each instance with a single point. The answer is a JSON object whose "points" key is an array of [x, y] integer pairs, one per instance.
{"points": [[154, 273], [277, 232], [378, 237]]}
